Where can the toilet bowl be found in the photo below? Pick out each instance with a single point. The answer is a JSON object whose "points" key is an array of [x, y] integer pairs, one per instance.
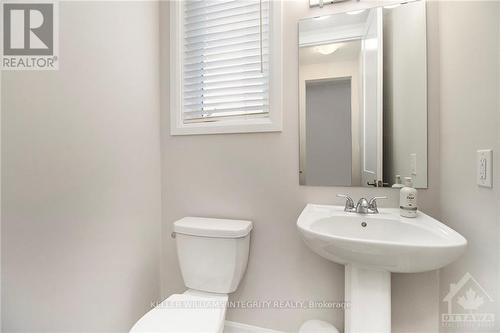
{"points": [[185, 313], [213, 255]]}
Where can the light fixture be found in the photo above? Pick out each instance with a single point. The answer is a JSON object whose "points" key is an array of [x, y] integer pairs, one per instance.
{"points": [[321, 3], [356, 12], [327, 49]]}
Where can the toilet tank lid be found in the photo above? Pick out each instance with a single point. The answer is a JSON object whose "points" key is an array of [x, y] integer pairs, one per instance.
{"points": [[209, 227]]}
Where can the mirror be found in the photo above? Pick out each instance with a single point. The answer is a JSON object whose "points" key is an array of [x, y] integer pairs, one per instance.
{"points": [[363, 97]]}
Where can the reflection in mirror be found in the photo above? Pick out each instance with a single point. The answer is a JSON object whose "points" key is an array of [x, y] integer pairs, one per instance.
{"points": [[363, 97]]}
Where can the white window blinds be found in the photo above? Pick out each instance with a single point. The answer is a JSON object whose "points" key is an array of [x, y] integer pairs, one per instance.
{"points": [[225, 59]]}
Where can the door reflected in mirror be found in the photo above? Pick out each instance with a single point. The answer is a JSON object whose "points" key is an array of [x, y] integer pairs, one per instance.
{"points": [[363, 97]]}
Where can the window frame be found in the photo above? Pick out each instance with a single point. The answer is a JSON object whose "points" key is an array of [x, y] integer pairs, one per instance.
{"points": [[241, 124]]}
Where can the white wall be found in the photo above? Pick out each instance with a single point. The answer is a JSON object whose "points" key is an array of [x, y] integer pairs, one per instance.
{"points": [[469, 35], [1, 103], [255, 177], [81, 176]]}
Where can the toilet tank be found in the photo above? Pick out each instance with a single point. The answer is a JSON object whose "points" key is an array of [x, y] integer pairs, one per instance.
{"points": [[212, 253]]}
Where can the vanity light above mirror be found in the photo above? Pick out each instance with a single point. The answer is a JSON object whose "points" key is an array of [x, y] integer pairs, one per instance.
{"points": [[321, 3]]}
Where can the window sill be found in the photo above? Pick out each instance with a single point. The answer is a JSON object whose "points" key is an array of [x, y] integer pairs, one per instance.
{"points": [[227, 127]]}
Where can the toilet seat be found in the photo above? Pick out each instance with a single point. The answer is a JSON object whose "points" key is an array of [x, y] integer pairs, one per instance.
{"points": [[193, 311]]}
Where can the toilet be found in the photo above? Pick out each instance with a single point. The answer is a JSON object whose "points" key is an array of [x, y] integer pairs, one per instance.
{"points": [[213, 256]]}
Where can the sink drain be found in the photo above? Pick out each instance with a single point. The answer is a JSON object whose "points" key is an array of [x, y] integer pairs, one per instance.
{"points": [[363, 224]]}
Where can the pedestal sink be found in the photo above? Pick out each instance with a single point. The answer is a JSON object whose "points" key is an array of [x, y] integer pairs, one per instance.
{"points": [[371, 246]]}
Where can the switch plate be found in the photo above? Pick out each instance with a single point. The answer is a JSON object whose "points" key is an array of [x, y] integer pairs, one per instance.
{"points": [[484, 168]]}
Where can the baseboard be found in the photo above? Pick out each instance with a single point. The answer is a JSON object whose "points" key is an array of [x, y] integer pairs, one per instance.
{"points": [[234, 327]]}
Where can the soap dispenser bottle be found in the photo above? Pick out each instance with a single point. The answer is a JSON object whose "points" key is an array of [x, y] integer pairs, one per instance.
{"points": [[408, 199]]}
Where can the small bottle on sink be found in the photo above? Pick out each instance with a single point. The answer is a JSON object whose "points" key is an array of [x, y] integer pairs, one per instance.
{"points": [[408, 199]]}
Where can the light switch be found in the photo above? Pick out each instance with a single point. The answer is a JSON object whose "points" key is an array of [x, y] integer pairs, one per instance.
{"points": [[484, 168], [413, 164]]}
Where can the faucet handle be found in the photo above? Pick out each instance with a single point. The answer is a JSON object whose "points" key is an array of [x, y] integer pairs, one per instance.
{"points": [[348, 198], [349, 203], [373, 203]]}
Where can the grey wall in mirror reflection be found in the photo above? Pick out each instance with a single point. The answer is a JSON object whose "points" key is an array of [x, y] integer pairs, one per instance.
{"points": [[363, 97]]}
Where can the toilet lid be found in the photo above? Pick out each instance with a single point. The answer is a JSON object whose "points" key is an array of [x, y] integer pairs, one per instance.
{"points": [[185, 313]]}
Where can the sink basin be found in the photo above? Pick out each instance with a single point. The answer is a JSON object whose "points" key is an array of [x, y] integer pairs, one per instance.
{"points": [[383, 241], [371, 246]]}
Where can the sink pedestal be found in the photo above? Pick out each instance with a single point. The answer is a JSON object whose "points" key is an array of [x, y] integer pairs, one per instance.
{"points": [[368, 295], [371, 246]]}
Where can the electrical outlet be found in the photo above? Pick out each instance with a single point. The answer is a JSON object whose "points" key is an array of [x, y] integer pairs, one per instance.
{"points": [[484, 168]]}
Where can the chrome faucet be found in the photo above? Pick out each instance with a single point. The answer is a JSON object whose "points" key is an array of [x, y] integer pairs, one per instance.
{"points": [[362, 207]]}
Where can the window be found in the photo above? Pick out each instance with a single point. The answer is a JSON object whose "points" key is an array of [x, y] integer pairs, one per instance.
{"points": [[225, 66]]}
